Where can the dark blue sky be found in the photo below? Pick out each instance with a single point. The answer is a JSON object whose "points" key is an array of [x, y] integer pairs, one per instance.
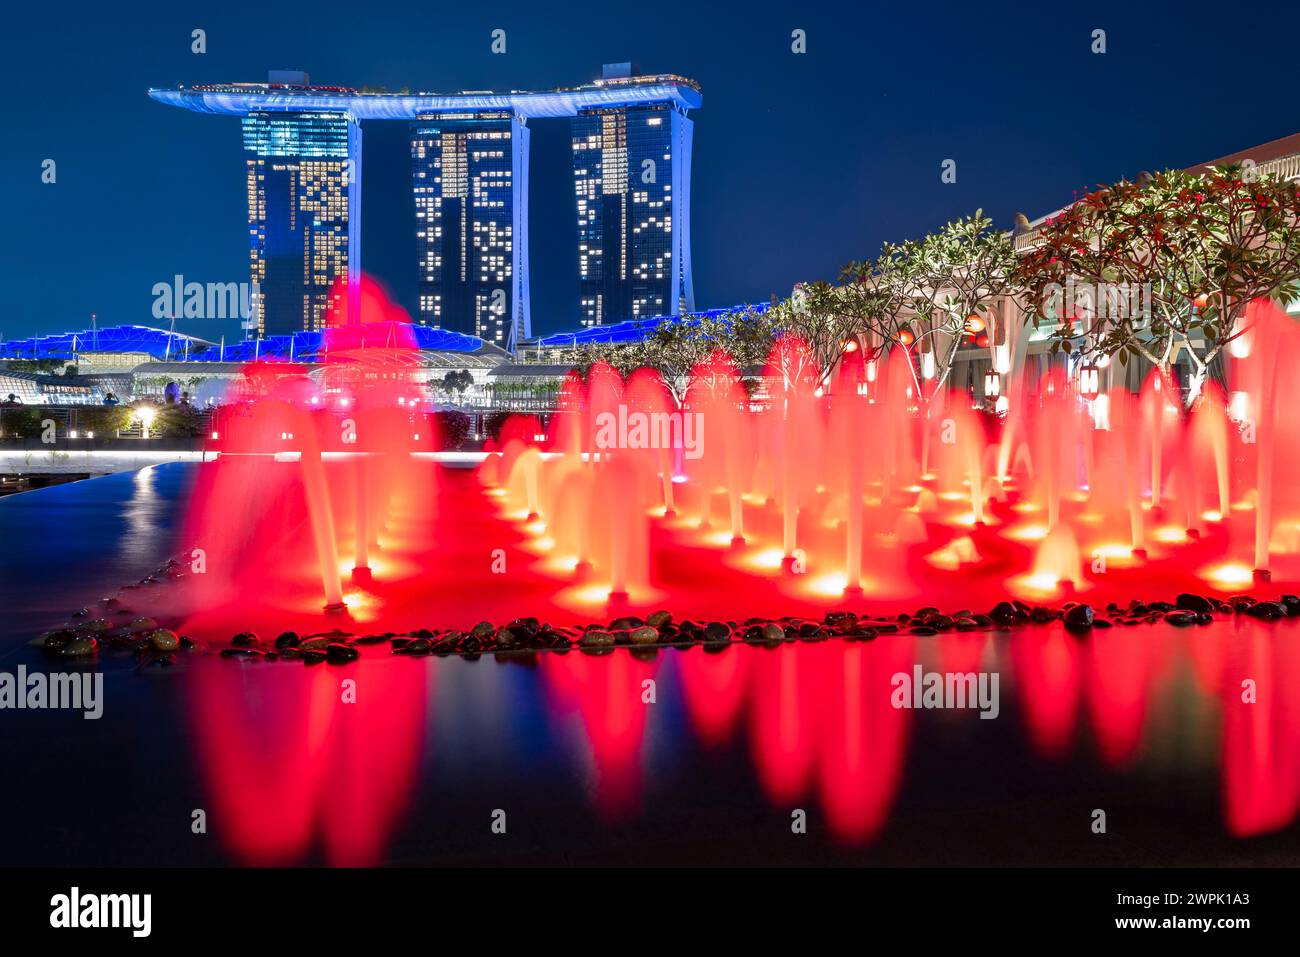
{"points": [[802, 162]]}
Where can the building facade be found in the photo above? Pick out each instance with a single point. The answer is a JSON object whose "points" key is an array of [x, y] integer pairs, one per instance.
{"points": [[631, 172], [470, 185], [302, 172], [469, 150]]}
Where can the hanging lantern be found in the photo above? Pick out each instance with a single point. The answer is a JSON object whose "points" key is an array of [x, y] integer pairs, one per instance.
{"points": [[871, 370], [1089, 381], [982, 340], [851, 345], [992, 384], [975, 324], [906, 338]]}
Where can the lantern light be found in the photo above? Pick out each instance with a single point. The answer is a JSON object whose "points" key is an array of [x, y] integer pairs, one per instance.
{"points": [[927, 365], [1089, 381], [1002, 358], [992, 384]]}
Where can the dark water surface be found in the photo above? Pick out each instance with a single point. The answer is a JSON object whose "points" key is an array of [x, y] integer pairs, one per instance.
{"points": [[1145, 724]]}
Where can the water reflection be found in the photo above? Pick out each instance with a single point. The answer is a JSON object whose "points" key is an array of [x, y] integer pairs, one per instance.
{"points": [[147, 517], [296, 770]]}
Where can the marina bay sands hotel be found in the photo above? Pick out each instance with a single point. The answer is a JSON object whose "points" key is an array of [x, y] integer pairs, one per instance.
{"points": [[469, 173]]}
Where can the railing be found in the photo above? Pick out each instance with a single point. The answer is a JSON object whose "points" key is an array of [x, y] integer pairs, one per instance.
{"points": [[1284, 167], [1026, 240], [81, 423]]}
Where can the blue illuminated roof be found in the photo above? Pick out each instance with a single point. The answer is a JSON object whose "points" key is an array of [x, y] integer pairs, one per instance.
{"points": [[158, 343], [635, 330], [240, 99], [300, 346], [312, 346]]}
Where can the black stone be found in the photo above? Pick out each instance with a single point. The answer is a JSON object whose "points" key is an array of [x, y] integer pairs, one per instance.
{"points": [[341, 654], [1266, 609], [716, 631], [1194, 603], [1003, 613], [1079, 617]]}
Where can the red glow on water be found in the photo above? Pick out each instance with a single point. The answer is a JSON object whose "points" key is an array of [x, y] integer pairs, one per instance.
{"points": [[865, 489], [608, 694], [294, 767]]}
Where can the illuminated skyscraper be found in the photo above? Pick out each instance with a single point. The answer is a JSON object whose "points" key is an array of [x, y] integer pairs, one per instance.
{"points": [[469, 157], [631, 168], [304, 220], [470, 182]]}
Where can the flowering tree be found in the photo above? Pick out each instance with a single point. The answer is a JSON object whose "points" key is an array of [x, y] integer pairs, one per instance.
{"points": [[1165, 265], [922, 294], [675, 348]]}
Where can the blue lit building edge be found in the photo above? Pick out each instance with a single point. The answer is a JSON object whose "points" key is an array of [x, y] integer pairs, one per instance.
{"points": [[161, 344], [409, 106]]}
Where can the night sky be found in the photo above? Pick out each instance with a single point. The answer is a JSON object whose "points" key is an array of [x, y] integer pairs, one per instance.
{"points": [[802, 162]]}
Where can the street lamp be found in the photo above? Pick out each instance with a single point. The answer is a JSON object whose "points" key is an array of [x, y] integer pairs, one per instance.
{"points": [[145, 415]]}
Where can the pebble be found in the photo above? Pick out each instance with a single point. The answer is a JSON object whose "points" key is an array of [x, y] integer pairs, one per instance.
{"points": [[596, 638], [1194, 602], [716, 631], [1266, 609], [645, 635], [163, 639], [341, 654], [1079, 617]]}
